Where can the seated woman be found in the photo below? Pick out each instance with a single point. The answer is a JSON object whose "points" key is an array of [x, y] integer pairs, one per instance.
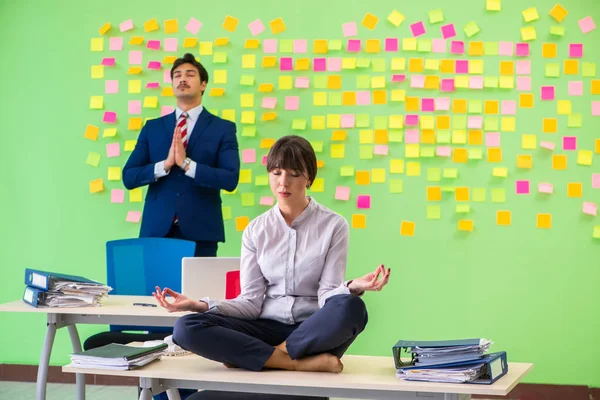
{"points": [[295, 312]]}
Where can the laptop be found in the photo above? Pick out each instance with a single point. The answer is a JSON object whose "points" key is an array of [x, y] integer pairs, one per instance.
{"points": [[205, 276]]}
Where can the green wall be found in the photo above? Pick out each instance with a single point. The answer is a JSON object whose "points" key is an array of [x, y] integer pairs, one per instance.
{"points": [[532, 291]]}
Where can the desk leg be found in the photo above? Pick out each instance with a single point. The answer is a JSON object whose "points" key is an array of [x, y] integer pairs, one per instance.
{"points": [[146, 394], [79, 378], [173, 394], [42, 377]]}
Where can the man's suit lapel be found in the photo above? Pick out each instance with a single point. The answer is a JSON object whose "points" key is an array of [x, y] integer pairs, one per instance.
{"points": [[169, 122], [203, 121]]}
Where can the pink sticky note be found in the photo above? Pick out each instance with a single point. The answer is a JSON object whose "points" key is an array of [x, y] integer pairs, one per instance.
{"points": [[256, 27], [462, 66], [523, 83], [134, 107], [348, 121], [166, 110], [596, 108], [522, 50], [286, 64], [349, 29], [505, 49], [587, 24], [575, 88], [474, 122], [126, 25], [509, 107], [492, 139], [135, 57], [269, 102], [249, 156], [411, 136], [300, 46], [113, 150], [398, 77], [443, 151], [270, 46], [418, 29], [111, 87], [152, 85], [110, 117], [391, 44], [342, 193], [545, 188], [319, 64], [522, 187], [133, 216], [438, 45], [381, 150], [427, 105], [411, 120], [476, 82], [596, 181], [108, 61], [442, 104], [334, 64], [193, 26], [353, 46], [171, 44], [448, 31], [167, 76], [115, 44], [569, 143], [363, 201], [266, 200], [417, 81], [363, 98], [117, 196], [154, 65], [153, 44], [547, 92], [590, 208], [264, 160], [457, 47], [302, 82], [448, 85], [292, 102], [547, 145], [523, 67], [576, 50]]}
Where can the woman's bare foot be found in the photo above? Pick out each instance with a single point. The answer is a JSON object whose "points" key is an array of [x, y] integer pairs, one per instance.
{"points": [[282, 347], [320, 363], [229, 365]]}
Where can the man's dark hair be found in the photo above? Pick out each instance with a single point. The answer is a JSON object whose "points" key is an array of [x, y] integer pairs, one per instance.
{"points": [[189, 58], [293, 153]]}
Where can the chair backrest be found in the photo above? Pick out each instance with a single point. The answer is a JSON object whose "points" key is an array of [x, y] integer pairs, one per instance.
{"points": [[214, 277], [136, 266]]}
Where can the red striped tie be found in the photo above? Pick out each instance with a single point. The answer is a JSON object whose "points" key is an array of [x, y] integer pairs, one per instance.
{"points": [[182, 125]]}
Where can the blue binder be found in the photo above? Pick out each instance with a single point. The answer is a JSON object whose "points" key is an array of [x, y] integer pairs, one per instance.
{"points": [[406, 345], [495, 367], [43, 279], [34, 296]]}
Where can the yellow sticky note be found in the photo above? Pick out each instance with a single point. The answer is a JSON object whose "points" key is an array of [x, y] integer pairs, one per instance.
{"points": [[134, 86], [96, 102], [559, 161], [396, 166], [320, 98], [245, 176], [338, 135], [370, 21], [461, 194], [129, 145], [216, 92], [359, 221], [550, 125], [285, 83], [252, 44], [267, 143], [563, 107], [558, 12], [150, 102], [528, 33], [337, 151], [493, 5], [494, 154], [318, 185], [241, 223], [413, 168], [220, 76], [363, 177], [228, 115], [151, 25], [247, 100], [220, 42], [104, 28], [465, 225], [528, 142], [135, 124], [277, 26], [500, 172], [530, 14], [503, 218], [248, 117], [412, 151], [97, 71], [136, 40], [190, 42], [378, 175], [109, 132], [91, 132], [318, 122], [248, 61], [135, 195], [584, 157], [206, 48], [97, 44], [407, 228], [171, 26], [134, 71], [114, 173], [544, 221], [395, 18], [168, 91], [96, 186], [524, 161], [230, 24], [574, 189]]}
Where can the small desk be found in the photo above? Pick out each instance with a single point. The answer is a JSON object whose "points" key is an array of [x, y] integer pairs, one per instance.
{"points": [[117, 310], [364, 377]]}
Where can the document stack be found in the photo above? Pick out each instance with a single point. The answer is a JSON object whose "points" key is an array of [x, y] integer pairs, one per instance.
{"points": [[452, 361], [49, 289], [117, 357]]}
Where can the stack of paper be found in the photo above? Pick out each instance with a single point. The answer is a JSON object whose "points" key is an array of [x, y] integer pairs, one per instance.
{"points": [[444, 355], [449, 375], [117, 357]]}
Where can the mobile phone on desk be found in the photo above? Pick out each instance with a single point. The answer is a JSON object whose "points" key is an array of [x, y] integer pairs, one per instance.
{"points": [[144, 304]]}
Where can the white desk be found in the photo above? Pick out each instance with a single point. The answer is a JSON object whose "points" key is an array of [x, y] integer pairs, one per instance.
{"points": [[363, 377], [115, 310]]}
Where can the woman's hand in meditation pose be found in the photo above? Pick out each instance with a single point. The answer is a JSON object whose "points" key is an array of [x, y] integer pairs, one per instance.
{"points": [[180, 303]]}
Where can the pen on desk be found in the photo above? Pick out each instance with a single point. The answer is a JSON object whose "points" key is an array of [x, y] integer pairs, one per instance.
{"points": [[144, 304]]}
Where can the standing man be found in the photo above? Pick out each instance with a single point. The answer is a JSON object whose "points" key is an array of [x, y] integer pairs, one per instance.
{"points": [[186, 158]]}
